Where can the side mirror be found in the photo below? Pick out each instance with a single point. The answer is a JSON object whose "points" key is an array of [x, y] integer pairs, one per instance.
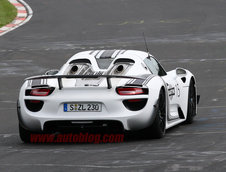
{"points": [[52, 72]]}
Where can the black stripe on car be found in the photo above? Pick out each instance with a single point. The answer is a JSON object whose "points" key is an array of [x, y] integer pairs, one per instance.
{"points": [[148, 79], [171, 91], [123, 51], [98, 51], [118, 53], [107, 54], [124, 60], [99, 73], [91, 52], [138, 82]]}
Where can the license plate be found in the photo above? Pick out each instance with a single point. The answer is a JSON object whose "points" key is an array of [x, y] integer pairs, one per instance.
{"points": [[82, 107]]}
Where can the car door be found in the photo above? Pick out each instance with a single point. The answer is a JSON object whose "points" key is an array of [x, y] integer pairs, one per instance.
{"points": [[173, 95]]}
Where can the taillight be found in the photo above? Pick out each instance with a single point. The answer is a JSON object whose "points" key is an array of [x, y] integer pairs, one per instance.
{"points": [[39, 91], [131, 90]]}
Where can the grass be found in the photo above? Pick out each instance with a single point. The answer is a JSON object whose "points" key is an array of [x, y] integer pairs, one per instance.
{"points": [[7, 12]]}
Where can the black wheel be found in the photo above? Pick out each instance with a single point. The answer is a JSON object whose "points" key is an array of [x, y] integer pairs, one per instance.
{"points": [[158, 128], [191, 112], [25, 135]]}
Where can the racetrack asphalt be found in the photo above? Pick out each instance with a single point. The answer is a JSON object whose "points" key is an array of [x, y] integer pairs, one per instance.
{"points": [[180, 33]]}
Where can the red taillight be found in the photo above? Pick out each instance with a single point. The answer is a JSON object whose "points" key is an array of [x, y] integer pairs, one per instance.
{"points": [[40, 92], [131, 91]]}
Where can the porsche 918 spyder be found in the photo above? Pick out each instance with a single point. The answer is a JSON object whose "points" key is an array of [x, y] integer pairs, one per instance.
{"points": [[120, 89]]}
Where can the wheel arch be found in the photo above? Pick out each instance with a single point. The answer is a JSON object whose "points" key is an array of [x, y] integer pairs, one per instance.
{"points": [[156, 85], [190, 113], [193, 79]]}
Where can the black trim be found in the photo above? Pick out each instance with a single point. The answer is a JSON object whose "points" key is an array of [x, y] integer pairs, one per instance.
{"points": [[181, 114], [34, 105], [124, 60], [173, 93], [60, 83], [81, 125], [59, 78], [19, 114], [80, 61], [183, 79], [136, 105], [198, 98], [40, 86]]}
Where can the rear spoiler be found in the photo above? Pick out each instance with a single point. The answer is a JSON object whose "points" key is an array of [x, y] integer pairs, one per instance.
{"points": [[59, 78]]}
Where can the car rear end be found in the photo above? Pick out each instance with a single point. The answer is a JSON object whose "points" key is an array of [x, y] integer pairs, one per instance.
{"points": [[50, 108]]}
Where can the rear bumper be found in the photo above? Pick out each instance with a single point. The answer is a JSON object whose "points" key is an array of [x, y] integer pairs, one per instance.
{"points": [[132, 120], [112, 110]]}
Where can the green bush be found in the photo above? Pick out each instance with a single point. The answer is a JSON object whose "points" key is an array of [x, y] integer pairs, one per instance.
{"points": [[7, 12]]}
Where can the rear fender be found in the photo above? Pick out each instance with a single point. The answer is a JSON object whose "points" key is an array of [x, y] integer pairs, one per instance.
{"points": [[183, 78], [155, 85]]}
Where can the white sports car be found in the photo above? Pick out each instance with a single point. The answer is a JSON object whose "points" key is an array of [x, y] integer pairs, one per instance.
{"points": [[121, 89]]}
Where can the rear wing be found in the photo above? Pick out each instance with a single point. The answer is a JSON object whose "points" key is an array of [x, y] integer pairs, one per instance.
{"points": [[60, 84]]}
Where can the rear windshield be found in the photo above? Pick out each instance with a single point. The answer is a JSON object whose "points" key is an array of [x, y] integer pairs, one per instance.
{"points": [[104, 63]]}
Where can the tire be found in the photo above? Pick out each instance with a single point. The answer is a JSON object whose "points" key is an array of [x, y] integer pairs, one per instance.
{"points": [[158, 128], [25, 135], [191, 112]]}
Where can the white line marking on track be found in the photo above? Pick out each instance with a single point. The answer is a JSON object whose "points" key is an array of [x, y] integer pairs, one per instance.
{"points": [[211, 107], [197, 133], [8, 134], [82, 166], [7, 108]]}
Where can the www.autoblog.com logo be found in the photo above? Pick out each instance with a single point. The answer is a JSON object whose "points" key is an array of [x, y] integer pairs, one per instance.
{"points": [[77, 138]]}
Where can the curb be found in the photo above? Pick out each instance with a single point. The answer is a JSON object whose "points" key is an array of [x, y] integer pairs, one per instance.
{"points": [[24, 14]]}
